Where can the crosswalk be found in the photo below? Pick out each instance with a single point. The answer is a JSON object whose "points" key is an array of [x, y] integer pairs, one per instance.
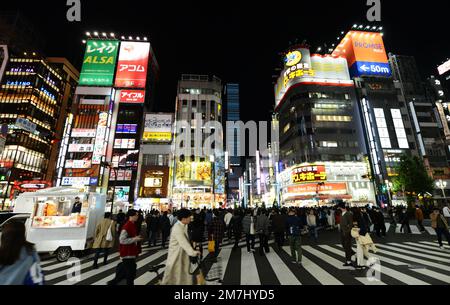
{"points": [[400, 263]]}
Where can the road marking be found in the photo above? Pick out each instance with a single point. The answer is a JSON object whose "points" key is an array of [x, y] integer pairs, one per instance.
{"points": [[148, 276], [249, 272], [436, 244], [445, 260], [316, 271], [404, 278], [326, 258], [430, 230], [415, 230], [283, 273], [421, 249], [83, 266]]}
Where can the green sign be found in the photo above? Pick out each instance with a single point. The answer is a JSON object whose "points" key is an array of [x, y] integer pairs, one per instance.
{"points": [[99, 63]]}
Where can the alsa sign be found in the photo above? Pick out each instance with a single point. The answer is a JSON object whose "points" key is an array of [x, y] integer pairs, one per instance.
{"points": [[132, 96]]}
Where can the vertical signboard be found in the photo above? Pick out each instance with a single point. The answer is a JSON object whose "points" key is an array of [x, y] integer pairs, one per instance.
{"points": [[99, 63], [133, 65], [99, 147]]}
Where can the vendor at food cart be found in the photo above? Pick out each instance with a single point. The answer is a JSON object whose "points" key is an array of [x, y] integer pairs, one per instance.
{"points": [[76, 206]]}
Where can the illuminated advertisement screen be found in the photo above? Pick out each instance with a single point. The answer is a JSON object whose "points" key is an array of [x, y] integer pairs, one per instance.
{"points": [[445, 67], [133, 64], [122, 175], [365, 53], [99, 63], [154, 181], [126, 128], [219, 175], [122, 193], [158, 127], [303, 68], [194, 171], [312, 189], [124, 143], [308, 173], [132, 96]]}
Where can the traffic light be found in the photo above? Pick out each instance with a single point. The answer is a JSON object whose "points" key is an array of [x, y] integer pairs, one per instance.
{"points": [[2, 178], [384, 188]]}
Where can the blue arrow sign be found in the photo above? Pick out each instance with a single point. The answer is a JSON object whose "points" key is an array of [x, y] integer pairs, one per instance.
{"points": [[363, 68]]}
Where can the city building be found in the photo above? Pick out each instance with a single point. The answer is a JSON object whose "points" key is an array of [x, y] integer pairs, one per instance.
{"points": [[388, 128], [155, 157], [444, 77], [427, 123], [198, 176], [233, 145], [102, 138], [34, 93], [320, 131]]}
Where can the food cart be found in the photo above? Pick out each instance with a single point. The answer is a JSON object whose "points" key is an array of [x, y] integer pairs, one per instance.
{"points": [[52, 226]]}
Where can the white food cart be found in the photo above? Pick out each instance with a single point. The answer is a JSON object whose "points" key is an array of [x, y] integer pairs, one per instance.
{"points": [[52, 226]]}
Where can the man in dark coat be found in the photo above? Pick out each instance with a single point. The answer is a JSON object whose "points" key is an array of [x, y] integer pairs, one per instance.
{"points": [[197, 229], [346, 229], [236, 226], [279, 228], [164, 226]]}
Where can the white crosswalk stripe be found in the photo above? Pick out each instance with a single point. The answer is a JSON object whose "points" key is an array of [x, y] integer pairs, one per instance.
{"points": [[400, 262], [319, 273]]}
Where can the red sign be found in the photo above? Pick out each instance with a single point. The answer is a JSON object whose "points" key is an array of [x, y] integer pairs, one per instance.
{"points": [[132, 96], [6, 163], [133, 64]]}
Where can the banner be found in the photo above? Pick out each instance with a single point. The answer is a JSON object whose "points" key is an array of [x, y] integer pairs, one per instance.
{"points": [[99, 63], [313, 188], [133, 64], [158, 127], [308, 173]]}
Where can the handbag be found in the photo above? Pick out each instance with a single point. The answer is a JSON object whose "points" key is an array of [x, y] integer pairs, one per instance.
{"points": [[212, 246], [355, 232], [365, 240], [109, 236], [197, 275]]}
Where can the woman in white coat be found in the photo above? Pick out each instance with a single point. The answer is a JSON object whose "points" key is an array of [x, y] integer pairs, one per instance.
{"points": [[180, 249]]}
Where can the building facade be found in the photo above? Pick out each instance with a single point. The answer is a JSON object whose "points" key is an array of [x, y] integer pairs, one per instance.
{"points": [[198, 177], [33, 94]]}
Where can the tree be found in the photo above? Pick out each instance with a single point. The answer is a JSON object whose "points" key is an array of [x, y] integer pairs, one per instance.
{"points": [[412, 178]]}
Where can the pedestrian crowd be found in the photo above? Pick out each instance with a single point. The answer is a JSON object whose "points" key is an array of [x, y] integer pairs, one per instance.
{"points": [[185, 232]]}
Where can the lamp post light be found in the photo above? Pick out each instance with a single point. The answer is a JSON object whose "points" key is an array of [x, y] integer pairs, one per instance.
{"points": [[442, 185]]}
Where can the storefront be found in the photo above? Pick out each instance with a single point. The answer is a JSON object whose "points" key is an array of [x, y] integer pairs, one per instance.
{"points": [[321, 183]]}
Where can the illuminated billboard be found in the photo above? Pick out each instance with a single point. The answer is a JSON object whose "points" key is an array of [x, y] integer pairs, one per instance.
{"points": [[303, 68], [308, 173], [365, 53], [194, 172], [158, 127], [154, 181], [445, 67], [132, 96], [133, 64], [99, 63]]}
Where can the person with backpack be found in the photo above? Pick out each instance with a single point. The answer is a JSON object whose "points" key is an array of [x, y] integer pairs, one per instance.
{"points": [[294, 227], [105, 235]]}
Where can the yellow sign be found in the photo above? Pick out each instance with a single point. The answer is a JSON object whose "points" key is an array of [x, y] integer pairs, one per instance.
{"points": [[293, 58], [158, 136]]}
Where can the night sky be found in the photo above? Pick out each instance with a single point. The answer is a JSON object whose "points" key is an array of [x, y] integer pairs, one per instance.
{"points": [[239, 41]]}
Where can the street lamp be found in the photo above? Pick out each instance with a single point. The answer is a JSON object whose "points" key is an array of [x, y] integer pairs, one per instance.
{"points": [[442, 185]]}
